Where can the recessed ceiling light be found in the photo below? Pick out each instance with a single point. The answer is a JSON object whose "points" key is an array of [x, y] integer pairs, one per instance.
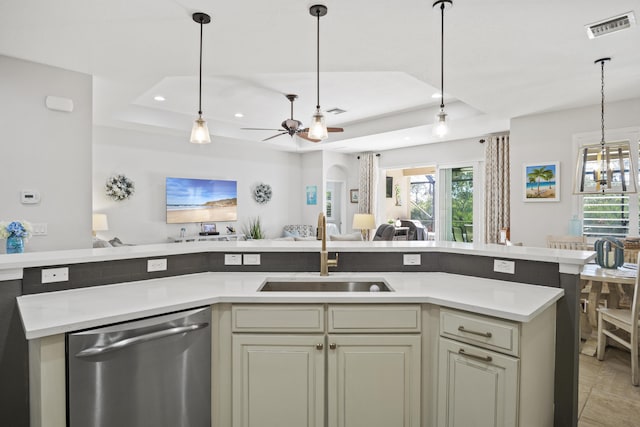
{"points": [[436, 95], [238, 115], [407, 138], [159, 98]]}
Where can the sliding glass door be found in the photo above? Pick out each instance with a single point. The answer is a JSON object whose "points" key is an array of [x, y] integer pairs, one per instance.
{"points": [[459, 203]]}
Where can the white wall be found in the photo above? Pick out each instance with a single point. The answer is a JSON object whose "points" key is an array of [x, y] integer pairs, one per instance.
{"points": [[439, 154], [311, 176], [548, 137], [148, 158], [347, 163], [391, 210], [48, 151]]}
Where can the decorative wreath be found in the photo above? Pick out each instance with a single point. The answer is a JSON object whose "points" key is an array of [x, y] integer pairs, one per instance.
{"points": [[262, 193], [119, 187]]}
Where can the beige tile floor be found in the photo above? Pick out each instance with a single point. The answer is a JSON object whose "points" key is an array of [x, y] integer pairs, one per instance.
{"points": [[606, 397]]}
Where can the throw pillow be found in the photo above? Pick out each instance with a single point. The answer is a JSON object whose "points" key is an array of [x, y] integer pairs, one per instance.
{"points": [[294, 233], [352, 236], [300, 239], [99, 243]]}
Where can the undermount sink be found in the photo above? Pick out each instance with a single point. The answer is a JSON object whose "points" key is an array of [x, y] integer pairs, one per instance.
{"points": [[325, 286]]}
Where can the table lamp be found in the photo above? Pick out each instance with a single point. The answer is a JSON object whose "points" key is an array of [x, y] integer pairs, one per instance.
{"points": [[364, 223], [99, 223]]}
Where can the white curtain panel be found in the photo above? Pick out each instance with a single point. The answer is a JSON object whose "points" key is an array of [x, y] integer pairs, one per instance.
{"points": [[497, 187], [368, 177]]}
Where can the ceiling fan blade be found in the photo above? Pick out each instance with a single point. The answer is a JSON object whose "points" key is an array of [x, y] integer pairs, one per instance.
{"points": [[335, 130], [275, 136], [305, 135], [276, 130]]}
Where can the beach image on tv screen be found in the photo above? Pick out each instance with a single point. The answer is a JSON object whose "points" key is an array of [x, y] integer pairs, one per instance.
{"points": [[201, 200]]}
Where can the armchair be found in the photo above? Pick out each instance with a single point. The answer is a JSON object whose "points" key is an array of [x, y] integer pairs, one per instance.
{"points": [[385, 232]]}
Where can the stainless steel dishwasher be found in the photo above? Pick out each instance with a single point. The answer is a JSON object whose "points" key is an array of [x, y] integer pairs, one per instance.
{"points": [[153, 372]]}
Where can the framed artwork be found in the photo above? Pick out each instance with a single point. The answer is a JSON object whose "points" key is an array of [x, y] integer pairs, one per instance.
{"points": [[541, 182], [312, 194], [354, 195]]}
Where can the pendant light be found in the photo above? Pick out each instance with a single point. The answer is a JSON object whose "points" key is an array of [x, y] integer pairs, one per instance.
{"points": [[318, 127], [605, 167], [441, 124], [200, 131]]}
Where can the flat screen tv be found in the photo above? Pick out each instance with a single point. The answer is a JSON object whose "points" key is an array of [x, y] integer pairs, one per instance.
{"points": [[201, 200]]}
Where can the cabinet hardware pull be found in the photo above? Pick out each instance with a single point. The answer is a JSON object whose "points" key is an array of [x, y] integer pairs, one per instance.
{"points": [[474, 356], [482, 334], [332, 346], [319, 346]]}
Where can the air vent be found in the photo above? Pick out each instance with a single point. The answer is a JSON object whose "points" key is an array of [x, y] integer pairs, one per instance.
{"points": [[611, 25], [336, 111]]}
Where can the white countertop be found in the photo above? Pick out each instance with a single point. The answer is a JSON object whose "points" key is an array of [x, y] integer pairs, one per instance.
{"points": [[76, 256], [64, 311]]}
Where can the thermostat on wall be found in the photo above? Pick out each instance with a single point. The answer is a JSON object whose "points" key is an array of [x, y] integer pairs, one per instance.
{"points": [[29, 197]]}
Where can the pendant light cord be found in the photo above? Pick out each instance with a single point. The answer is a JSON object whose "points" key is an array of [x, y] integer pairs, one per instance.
{"points": [[318, 60], [602, 102], [200, 83], [442, 55]]}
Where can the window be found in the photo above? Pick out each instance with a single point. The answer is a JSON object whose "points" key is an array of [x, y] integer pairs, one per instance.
{"points": [[461, 209], [606, 214]]}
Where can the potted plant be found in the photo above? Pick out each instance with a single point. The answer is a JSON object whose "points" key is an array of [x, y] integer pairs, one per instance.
{"points": [[253, 229]]}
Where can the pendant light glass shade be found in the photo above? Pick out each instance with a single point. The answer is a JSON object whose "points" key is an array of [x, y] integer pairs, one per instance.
{"points": [[200, 131], [441, 125], [606, 167], [318, 128]]}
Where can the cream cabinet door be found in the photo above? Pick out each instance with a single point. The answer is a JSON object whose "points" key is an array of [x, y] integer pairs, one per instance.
{"points": [[373, 380], [476, 387], [278, 380]]}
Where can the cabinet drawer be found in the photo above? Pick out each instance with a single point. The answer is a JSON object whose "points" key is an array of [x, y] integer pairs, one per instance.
{"points": [[487, 332], [374, 318], [277, 318]]}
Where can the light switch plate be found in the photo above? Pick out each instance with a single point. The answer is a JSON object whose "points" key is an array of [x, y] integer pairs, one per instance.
{"points": [[411, 259], [156, 265], [504, 266], [39, 229], [232, 259], [52, 275], [251, 259]]}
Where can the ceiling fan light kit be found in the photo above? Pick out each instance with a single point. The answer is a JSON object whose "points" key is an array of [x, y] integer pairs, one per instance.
{"points": [[293, 127], [318, 127], [200, 131], [441, 125]]}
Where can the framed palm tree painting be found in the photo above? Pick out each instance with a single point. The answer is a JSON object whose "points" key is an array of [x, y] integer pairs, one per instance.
{"points": [[541, 182]]}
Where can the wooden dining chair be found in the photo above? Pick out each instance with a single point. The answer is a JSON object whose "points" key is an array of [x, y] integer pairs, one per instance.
{"points": [[568, 242], [612, 320]]}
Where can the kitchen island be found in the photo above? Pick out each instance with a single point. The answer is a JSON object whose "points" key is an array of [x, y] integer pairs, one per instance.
{"points": [[450, 276]]}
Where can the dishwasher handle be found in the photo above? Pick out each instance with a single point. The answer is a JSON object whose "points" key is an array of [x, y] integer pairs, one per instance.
{"points": [[127, 342]]}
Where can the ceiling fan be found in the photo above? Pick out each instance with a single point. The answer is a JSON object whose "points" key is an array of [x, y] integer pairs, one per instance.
{"points": [[293, 127]]}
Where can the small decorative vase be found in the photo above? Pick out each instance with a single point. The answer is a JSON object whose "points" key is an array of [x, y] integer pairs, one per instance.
{"points": [[609, 252], [15, 245]]}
